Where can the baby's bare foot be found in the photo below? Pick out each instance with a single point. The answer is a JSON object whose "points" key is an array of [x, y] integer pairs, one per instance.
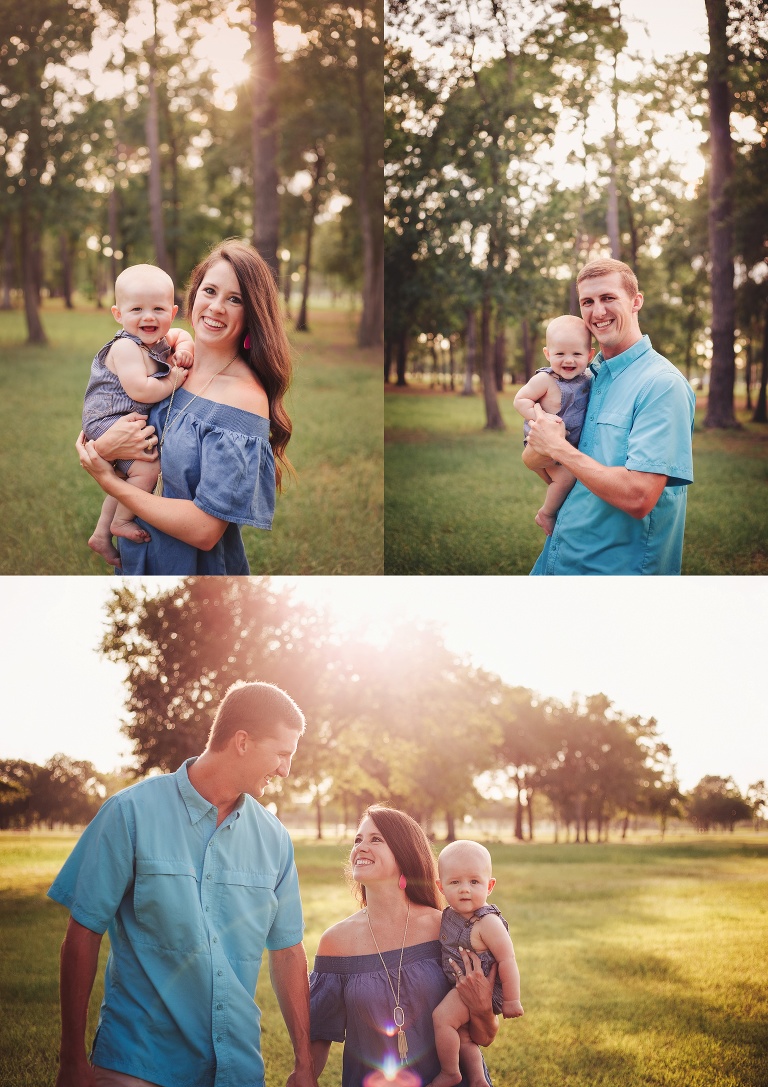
{"points": [[103, 546], [545, 521], [446, 1079], [129, 530]]}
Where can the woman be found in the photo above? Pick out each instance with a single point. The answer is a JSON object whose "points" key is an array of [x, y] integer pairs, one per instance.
{"points": [[377, 975], [222, 435]]}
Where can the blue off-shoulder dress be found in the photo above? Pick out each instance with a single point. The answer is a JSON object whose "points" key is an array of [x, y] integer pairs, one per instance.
{"points": [[351, 1002], [220, 458]]}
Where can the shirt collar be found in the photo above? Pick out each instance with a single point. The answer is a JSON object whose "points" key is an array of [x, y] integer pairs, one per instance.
{"points": [[197, 806], [620, 362]]}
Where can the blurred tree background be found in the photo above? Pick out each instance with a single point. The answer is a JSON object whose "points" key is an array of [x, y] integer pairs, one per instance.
{"points": [[525, 138], [398, 719], [149, 130]]}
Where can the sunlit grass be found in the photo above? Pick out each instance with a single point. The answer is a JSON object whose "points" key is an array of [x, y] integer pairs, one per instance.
{"points": [[329, 522], [642, 965], [458, 499]]}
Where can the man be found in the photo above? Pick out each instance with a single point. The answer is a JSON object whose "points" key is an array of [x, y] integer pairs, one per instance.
{"points": [[626, 512], [193, 879]]}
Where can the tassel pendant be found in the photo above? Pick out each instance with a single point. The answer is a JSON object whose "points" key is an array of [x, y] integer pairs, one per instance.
{"points": [[159, 485], [402, 1042]]}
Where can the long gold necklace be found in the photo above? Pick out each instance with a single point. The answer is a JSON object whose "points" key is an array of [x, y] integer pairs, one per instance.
{"points": [[159, 485], [398, 1013]]}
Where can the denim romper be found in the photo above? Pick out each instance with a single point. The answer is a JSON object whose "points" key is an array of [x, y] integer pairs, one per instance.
{"points": [[455, 933], [106, 400], [574, 395]]}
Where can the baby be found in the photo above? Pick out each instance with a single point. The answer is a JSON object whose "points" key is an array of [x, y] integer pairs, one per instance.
{"points": [[128, 374], [562, 388], [470, 923]]}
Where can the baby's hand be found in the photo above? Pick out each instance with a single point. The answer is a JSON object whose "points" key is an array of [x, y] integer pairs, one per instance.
{"points": [[182, 356], [178, 376], [512, 1009]]}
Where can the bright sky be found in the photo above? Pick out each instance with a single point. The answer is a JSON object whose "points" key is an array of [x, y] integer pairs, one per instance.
{"points": [[690, 652]]}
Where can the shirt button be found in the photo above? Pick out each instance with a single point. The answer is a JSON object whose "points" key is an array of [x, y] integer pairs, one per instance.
{"points": [[207, 909], [219, 972], [215, 939], [219, 1007], [209, 876], [218, 1037]]}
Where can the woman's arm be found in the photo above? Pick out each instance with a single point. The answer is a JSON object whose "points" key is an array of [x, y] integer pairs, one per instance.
{"points": [[177, 517], [130, 438], [476, 990], [320, 1050]]}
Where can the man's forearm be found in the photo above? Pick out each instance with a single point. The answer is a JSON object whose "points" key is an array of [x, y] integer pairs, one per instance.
{"points": [[288, 972], [635, 493], [79, 962]]}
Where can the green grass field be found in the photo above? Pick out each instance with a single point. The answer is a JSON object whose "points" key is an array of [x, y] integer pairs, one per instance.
{"points": [[458, 499], [642, 965], [330, 522]]}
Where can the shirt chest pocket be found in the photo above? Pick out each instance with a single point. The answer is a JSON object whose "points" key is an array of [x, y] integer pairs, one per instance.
{"points": [[612, 438], [166, 902], [246, 909]]}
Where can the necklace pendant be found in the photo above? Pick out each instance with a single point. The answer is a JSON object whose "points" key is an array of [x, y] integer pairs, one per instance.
{"points": [[402, 1045], [159, 485]]}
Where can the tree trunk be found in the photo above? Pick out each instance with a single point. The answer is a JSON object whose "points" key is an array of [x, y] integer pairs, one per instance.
{"points": [[266, 212], [519, 811], [529, 812], [451, 364], [152, 129], [371, 330], [319, 818], [7, 266], [65, 255], [470, 352], [389, 358], [314, 204], [528, 349], [612, 216], [402, 358], [500, 353], [760, 415], [112, 220], [493, 419], [720, 411], [35, 330], [450, 822]]}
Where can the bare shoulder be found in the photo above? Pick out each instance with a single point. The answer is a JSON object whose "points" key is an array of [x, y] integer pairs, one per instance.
{"points": [[243, 390], [123, 351], [537, 386], [491, 929], [342, 938], [425, 924]]}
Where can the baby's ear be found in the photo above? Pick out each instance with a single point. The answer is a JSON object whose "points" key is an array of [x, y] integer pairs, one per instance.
{"points": [[491, 884], [439, 883], [116, 314], [546, 353]]}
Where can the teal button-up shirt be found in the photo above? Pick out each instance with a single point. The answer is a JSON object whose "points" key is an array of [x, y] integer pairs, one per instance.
{"points": [[189, 908], [640, 416]]}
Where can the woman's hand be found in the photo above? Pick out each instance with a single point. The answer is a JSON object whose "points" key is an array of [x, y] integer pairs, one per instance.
{"points": [[95, 465], [476, 990], [130, 438]]}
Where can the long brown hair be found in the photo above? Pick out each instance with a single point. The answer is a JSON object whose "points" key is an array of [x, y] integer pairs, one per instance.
{"points": [[412, 851], [269, 353]]}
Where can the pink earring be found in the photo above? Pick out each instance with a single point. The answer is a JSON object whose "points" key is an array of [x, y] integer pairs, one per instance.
{"points": [[247, 342], [402, 883]]}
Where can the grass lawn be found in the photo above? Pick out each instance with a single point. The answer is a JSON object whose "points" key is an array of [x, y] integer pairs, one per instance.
{"points": [[643, 965], [458, 499], [330, 522]]}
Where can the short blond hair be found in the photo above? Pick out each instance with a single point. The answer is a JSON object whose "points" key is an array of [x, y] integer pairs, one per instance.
{"points": [[569, 320], [145, 272], [606, 266]]}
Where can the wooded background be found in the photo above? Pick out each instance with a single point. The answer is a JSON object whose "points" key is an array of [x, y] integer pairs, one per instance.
{"points": [[94, 180], [499, 188], [404, 721]]}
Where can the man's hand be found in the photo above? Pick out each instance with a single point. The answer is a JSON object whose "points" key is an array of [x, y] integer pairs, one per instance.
{"points": [[547, 433], [80, 1074], [302, 1077]]}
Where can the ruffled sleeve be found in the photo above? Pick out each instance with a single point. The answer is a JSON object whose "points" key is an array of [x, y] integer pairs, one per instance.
{"points": [[327, 1007], [237, 478]]}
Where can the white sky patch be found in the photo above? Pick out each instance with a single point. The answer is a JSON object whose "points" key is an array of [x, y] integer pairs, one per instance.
{"points": [[688, 651]]}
